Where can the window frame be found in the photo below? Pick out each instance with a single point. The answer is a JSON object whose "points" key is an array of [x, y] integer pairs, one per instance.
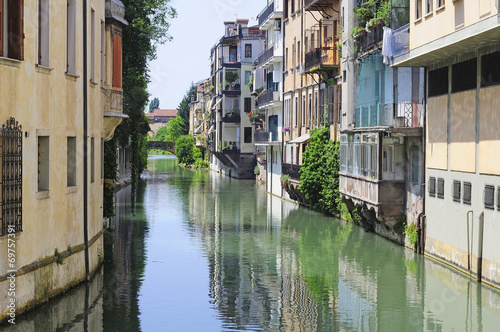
{"points": [[248, 51], [14, 50], [43, 33]]}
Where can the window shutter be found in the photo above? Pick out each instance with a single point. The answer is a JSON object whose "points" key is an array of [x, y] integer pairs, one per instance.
{"points": [[117, 61], [1, 27]]}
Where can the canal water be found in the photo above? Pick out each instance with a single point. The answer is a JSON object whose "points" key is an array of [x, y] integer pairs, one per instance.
{"points": [[203, 252]]}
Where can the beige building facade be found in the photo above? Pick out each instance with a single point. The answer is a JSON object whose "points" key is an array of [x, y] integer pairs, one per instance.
{"points": [[458, 44], [57, 109], [311, 68]]}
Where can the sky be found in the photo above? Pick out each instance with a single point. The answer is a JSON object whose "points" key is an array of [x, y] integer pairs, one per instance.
{"points": [[185, 59]]}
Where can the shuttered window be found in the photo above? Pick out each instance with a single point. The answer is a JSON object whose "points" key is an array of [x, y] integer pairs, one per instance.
{"points": [[117, 61]]}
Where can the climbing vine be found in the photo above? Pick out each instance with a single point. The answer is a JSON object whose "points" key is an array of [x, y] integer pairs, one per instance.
{"points": [[319, 174]]}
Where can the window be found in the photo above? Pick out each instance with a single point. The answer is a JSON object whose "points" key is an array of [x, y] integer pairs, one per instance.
{"points": [[248, 74], [102, 158], [489, 197], [303, 111], [309, 110], [43, 32], [273, 127], [432, 186], [71, 37], [298, 53], [464, 75], [12, 29], [43, 163], [388, 158], [233, 53], [92, 159], [103, 53], [293, 6], [457, 186], [248, 105], [438, 82], [415, 167], [286, 58], [428, 6], [11, 139], [418, 9], [440, 188], [285, 9], [490, 69], [248, 50], [296, 111], [248, 135], [71, 161], [439, 4], [92, 45], [117, 61], [467, 193], [316, 114]]}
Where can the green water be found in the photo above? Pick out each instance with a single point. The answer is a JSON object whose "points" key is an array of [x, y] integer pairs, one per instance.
{"points": [[209, 253]]}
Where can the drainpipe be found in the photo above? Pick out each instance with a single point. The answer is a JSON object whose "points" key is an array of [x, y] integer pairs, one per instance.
{"points": [[480, 248], [85, 145], [424, 153]]}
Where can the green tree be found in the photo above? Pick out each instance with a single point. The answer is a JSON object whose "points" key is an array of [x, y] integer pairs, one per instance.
{"points": [[319, 174], [171, 132], [183, 108], [184, 149], [154, 104]]}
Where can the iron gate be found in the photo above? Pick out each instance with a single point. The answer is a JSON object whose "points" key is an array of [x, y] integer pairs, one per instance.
{"points": [[11, 153]]}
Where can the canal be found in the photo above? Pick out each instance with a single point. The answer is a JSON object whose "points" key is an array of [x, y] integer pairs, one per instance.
{"points": [[208, 253]]}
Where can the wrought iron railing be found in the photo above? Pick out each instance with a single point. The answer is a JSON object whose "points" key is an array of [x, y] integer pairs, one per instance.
{"points": [[264, 15], [291, 170], [371, 38], [261, 137], [265, 56], [12, 176], [327, 57]]}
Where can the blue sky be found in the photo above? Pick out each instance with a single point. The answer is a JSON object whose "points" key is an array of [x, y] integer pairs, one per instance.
{"points": [[199, 24]]}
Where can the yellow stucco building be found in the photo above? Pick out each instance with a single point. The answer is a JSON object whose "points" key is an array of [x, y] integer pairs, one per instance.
{"points": [[60, 99]]}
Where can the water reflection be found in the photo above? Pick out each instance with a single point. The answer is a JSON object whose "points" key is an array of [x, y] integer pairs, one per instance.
{"points": [[208, 253]]}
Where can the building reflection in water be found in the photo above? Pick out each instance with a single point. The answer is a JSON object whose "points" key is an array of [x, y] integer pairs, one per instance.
{"points": [[275, 266]]}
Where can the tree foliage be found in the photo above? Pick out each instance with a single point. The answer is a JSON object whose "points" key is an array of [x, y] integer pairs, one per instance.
{"points": [[154, 104], [172, 131], [183, 108], [184, 149], [319, 174], [149, 21]]}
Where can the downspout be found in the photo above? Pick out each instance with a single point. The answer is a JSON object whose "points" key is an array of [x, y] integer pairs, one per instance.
{"points": [[424, 153], [85, 145]]}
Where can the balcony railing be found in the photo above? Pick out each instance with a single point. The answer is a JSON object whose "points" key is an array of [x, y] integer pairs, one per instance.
{"points": [[401, 115], [271, 95], [232, 117], [322, 58], [261, 137], [264, 15], [265, 56], [408, 115], [292, 170], [401, 41], [374, 115], [371, 38]]}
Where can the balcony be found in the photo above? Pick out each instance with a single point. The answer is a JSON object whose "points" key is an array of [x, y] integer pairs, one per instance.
{"points": [[401, 116], [265, 57], [318, 5], [374, 115], [232, 117], [264, 15], [326, 58], [291, 170], [261, 137], [269, 96], [370, 40]]}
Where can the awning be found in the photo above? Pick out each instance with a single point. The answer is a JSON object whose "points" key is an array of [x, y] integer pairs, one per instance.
{"points": [[301, 139]]}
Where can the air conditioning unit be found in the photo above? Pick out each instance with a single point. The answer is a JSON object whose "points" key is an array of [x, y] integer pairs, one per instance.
{"points": [[277, 24]]}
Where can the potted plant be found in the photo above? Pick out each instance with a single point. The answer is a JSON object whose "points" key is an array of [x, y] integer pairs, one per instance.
{"points": [[231, 78]]}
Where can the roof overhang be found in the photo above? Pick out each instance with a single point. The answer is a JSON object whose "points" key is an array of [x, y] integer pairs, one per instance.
{"points": [[300, 139], [469, 39]]}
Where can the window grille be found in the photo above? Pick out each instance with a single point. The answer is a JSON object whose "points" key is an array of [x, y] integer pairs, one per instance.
{"points": [[489, 197], [438, 82], [432, 186], [463, 75], [457, 186], [12, 175], [467, 193], [440, 188]]}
